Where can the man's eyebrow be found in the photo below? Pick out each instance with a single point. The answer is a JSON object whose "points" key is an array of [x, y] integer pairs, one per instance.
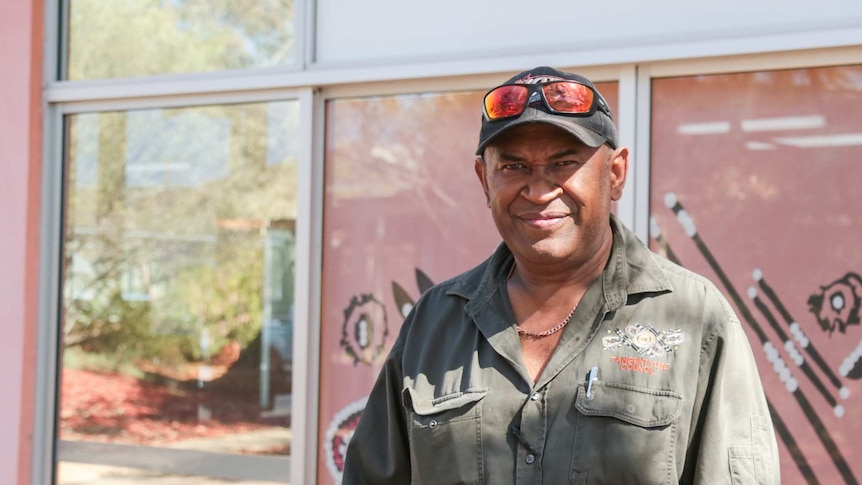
{"points": [[568, 152], [509, 157]]}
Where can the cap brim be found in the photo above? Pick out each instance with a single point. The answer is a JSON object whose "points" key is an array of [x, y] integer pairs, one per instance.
{"points": [[530, 116]]}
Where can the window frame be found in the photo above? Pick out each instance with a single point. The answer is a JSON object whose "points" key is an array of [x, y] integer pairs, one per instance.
{"points": [[48, 449]]}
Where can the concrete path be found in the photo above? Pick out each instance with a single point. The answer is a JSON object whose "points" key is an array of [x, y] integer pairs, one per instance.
{"points": [[69, 473]]}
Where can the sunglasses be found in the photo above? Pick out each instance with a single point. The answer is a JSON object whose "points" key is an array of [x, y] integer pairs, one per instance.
{"points": [[560, 97]]}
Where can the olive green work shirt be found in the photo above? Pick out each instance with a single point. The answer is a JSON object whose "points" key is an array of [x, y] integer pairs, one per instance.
{"points": [[674, 397]]}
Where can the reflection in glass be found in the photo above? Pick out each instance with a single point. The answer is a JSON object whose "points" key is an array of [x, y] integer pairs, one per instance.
{"points": [[766, 167], [82, 473], [178, 278], [402, 209], [144, 37]]}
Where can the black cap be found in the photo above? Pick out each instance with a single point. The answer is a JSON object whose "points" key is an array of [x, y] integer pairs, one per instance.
{"points": [[594, 130]]}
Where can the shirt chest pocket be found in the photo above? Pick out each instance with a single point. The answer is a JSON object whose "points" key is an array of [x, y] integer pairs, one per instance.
{"points": [[625, 434], [445, 436]]}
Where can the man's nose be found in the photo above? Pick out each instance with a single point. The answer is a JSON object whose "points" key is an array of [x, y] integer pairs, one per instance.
{"points": [[542, 185]]}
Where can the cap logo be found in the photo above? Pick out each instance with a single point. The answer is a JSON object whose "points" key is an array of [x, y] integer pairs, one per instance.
{"points": [[529, 79]]}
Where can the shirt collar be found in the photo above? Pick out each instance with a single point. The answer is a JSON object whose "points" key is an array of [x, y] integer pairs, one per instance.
{"points": [[631, 269]]}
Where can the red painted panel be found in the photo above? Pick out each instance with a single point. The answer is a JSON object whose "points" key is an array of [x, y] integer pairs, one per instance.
{"points": [[402, 208], [767, 167]]}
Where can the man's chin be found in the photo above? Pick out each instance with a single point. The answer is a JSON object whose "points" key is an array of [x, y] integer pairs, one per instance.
{"points": [[549, 251]]}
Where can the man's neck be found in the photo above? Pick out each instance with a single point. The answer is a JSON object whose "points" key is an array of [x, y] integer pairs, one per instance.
{"points": [[544, 280]]}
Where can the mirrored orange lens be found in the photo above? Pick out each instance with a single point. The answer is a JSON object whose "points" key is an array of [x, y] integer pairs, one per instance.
{"points": [[568, 97], [506, 101]]}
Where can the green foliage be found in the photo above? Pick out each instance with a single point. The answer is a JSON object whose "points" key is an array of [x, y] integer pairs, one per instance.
{"points": [[166, 266], [118, 332], [123, 38], [195, 308]]}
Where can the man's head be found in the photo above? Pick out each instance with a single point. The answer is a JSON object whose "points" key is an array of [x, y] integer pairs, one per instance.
{"points": [[550, 177], [546, 95]]}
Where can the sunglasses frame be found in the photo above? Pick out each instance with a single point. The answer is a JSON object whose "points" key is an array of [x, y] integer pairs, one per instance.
{"points": [[598, 104]]}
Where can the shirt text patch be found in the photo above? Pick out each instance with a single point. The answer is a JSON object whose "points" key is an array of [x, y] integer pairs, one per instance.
{"points": [[639, 364]]}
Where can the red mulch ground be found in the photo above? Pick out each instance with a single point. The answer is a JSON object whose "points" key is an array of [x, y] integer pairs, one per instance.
{"points": [[121, 409]]}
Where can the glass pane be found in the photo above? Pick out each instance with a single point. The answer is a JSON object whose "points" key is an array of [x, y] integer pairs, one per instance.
{"points": [[766, 167], [128, 38], [178, 278], [402, 209]]}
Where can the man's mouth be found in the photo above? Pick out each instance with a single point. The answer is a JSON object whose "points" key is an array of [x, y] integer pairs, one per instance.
{"points": [[543, 221]]}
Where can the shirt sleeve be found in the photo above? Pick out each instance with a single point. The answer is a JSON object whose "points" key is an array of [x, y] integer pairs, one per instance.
{"points": [[378, 452], [733, 440]]}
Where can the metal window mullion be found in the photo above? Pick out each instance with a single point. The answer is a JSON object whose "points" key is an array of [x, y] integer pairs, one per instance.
{"points": [[56, 57], [305, 20], [184, 101], [50, 234], [49, 298], [766, 61], [438, 73], [642, 161], [626, 122], [306, 336]]}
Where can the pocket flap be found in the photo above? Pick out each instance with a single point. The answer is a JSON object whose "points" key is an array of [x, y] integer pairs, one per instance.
{"points": [[640, 406], [427, 405]]}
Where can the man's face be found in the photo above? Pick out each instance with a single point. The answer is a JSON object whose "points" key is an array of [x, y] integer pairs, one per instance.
{"points": [[550, 195]]}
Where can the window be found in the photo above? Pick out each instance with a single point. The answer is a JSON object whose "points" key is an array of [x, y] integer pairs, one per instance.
{"points": [[178, 279], [145, 37], [765, 166], [403, 209]]}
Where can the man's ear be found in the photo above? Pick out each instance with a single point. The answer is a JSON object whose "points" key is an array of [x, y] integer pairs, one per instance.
{"points": [[619, 168], [481, 172]]}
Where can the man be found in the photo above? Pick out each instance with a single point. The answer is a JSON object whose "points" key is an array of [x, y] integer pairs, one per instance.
{"points": [[573, 354]]}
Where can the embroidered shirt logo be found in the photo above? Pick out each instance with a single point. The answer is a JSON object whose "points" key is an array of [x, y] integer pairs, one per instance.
{"points": [[644, 339]]}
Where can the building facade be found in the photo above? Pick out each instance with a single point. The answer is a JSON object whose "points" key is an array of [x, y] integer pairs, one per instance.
{"points": [[215, 214]]}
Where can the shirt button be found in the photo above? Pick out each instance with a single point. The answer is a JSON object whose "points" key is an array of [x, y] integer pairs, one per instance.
{"points": [[432, 424], [530, 459], [535, 396]]}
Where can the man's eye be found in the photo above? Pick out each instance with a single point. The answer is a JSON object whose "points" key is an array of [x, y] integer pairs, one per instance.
{"points": [[566, 163], [513, 166]]}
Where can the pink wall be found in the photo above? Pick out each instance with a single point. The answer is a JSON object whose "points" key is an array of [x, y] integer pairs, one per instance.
{"points": [[21, 35]]}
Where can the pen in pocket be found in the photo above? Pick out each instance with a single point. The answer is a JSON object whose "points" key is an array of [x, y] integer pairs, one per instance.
{"points": [[591, 376]]}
